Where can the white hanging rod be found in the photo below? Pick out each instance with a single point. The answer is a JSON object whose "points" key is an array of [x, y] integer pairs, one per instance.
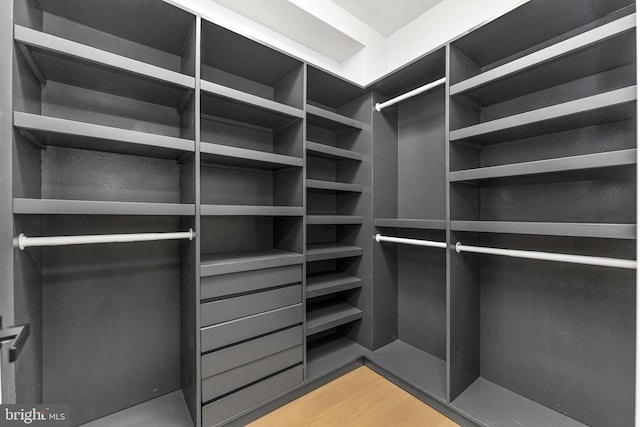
{"points": [[414, 242], [25, 242], [418, 91], [549, 256]]}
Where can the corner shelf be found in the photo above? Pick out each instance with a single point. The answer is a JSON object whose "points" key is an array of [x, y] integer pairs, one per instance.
{"points": [[561, 62], [495, 405], [330, 152], [234, 262], [325, 356], [334, 219], [564, 164], [74, 63], [232, 210], [325, 251], [597, 109], [324, 316], [90, 207], [330, 120], [325, 284], [234, 156], [74, 134], [605, 231], [418, 224], [333, 186]]}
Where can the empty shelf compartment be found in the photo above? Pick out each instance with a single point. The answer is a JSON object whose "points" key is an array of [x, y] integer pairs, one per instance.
{"points": [[331, 152], [236, 156], [334, 220], [225, 263], [324, 316], [330, 120], [333, 186], [325, 284], [324, 251]]}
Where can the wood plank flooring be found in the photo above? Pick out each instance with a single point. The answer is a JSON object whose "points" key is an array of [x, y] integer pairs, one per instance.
{"points": [[361, 398]]}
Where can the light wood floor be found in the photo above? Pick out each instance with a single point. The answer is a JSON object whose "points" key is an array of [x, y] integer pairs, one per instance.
{"points": [[361, 398]]}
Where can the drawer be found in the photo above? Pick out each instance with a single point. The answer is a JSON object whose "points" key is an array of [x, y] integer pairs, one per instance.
{"points": [[224, 310], [221, 410], [222, 334], [249, 281], [249, 351], [228, 381]]}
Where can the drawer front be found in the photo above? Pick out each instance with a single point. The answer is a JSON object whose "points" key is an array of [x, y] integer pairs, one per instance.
{"points": [[222, 334], [249, 281], [221, 410], [249, 351], [220, 311], [228, 381]]}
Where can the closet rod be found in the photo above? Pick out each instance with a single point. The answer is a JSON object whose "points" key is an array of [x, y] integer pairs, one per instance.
{"points": [[414, 242], [549, 256], [25, 242], [418, 91]]}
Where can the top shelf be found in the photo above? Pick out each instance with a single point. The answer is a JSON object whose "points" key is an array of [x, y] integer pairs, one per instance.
{"points": [[607, 46], [65, 61], [330, 120]]}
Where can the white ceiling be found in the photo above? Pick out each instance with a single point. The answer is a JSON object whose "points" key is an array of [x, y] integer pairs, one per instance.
{"points": [[386, 16]]}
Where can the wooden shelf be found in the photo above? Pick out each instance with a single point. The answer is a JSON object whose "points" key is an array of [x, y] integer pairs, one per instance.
{"points": [[46, 130], [419, 224], [333, 186], [330, 152], [77, 64], [564, 164], [599, 49], [333, 219], [330, 120], [249, 99], [233, 156], [324, 316], [497, 406], [324, 251], [225, 263], [597, 109], [605, 231], [422, 370], [240, 210], [325, 284], [90, 207]]}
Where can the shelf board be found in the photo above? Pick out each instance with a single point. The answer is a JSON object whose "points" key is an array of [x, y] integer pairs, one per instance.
{"points": [[420, 224], [240, 210], [88, 136], [324, 251], [91, 207], [540, 167], [331, 353], [330, 120], [330, 152], [77, 64], [324, 316], [497, 406], [604, 231], [589, 53], [249, 99], [333, 186], [234, 156], [325, 284], [420, 369], [597, 109], [225, 263], [333, 219]]}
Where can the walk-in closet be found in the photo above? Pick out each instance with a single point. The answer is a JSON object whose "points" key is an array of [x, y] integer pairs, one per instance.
{"points": [[200, 225]]}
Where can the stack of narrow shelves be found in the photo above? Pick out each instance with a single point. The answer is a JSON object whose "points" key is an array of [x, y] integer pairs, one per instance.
{"points": [[543, 157], [251, 210]]}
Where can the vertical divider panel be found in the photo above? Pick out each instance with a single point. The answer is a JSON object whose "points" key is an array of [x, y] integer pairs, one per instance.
{"points": [[305, 82], [448, 75]]}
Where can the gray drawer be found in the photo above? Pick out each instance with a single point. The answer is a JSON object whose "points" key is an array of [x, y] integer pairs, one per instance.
{"points": [[220, 311], [234, 331], [249, 281], [228, 381], [249, 351], [221, 410]]}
